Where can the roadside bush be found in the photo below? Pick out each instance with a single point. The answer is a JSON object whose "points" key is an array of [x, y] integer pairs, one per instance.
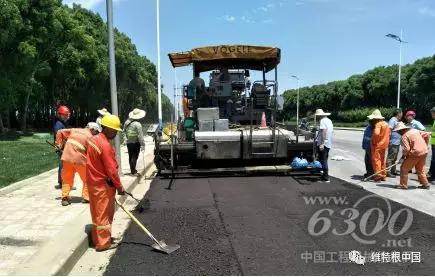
{"points": [[360, 115]]}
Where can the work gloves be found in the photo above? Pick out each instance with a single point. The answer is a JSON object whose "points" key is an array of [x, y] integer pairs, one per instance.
{"points": [[58, 149], [322, 147], [121, 190]]}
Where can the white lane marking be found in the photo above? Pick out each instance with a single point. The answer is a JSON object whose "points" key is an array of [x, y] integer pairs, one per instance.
{"points": [[353, 156], [340, 158]]}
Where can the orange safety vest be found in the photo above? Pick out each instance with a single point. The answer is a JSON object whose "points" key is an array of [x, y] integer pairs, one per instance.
{"points": [[186, 107], [74, 142], [381, 136]]}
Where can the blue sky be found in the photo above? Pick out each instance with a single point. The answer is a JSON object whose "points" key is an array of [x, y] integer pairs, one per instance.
{"points": [[321, 40]]}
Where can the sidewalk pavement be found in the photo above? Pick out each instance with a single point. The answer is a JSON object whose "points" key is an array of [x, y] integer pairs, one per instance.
{"points": [[40, 237]]}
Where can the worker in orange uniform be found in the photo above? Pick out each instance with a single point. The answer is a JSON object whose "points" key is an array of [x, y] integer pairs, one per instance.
{"points": [[379, 144], [103, 182], [63, 114], [186, 109], [414, 153], [73, 142]]}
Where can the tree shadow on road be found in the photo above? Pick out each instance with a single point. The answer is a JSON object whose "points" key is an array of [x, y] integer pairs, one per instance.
{"points": [[393, 186], [357, 177], [73, 199], [305, 179], [5, 241], [136, 243]]}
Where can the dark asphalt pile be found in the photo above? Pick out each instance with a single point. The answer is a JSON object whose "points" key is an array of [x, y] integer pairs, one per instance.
{"points": [[259, 226]]}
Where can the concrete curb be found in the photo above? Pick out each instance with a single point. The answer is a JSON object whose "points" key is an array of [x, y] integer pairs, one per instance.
{"points": [[15, 186], [349, 129], [55, 260]]}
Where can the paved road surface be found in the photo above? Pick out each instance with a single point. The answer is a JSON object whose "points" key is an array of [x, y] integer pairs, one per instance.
{"points": [[259, 226]]}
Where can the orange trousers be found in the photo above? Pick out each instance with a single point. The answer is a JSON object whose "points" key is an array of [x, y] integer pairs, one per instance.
{"points": [[408, 164], [102, 204], [69, 171], [379, 163]]}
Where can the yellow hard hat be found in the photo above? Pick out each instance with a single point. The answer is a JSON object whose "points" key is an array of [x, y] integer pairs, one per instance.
{"points": [[111, 121]]}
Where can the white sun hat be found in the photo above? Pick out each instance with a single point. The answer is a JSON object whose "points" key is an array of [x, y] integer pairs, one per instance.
{"points": [[401, 126], [320, 112], [103, 111], [376, 114], [137, 114], [94, 126]]}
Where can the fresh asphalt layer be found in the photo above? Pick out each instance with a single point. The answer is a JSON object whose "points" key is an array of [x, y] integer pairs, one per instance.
{"points": [[259, 226]]}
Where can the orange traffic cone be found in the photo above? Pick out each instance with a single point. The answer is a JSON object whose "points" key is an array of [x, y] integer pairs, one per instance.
{"points": [[263, 120]]}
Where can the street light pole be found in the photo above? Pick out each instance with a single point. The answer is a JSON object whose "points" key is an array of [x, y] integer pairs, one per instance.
{"points": [[175, 94], [400, 69], [112, 74], [159, 89], [400, 40], [297, 107]]}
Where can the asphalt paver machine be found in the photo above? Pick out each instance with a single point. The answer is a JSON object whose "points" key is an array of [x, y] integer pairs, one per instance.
{"points": [[230, 127]]}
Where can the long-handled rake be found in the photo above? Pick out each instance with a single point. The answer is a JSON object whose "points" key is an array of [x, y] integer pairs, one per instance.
{"points": [[139, 208], [371, 176]]}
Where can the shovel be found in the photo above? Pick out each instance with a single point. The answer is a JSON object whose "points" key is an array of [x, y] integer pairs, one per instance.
{"points": [[161, 245]]}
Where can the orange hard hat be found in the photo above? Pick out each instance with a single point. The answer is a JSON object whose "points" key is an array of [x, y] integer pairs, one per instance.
{"points": [[63, 110]]}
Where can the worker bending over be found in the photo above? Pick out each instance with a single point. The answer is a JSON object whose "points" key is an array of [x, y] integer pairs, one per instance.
{"points": [[134, 137], [103, 182], [73, 143], [414, 153], [379, 145]]}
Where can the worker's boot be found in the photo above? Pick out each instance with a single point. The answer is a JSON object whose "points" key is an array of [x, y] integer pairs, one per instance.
{"points": [[115, 240], [134, 173], [65, 201], [112, 246]]}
